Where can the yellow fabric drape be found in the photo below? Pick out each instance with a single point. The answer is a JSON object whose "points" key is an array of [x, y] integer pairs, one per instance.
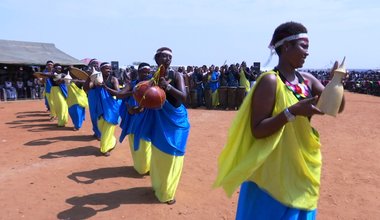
{"points": [[76, 96], [165, 173], [51, 105], [215, 98], [243, 81], [108, 139], [60, 105], [142, 156], [286, 164]]}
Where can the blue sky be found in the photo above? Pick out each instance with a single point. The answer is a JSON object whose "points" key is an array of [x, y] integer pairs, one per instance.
{"points": [[199, 32]]}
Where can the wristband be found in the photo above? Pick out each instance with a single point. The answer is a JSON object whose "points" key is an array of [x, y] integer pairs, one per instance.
{"points": [[168, 88], [289, 116]]}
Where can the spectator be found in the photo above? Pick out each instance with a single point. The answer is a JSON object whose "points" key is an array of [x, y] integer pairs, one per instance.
{"points": [[20, 87], [197, 78], [30, 89], [10, 90]]}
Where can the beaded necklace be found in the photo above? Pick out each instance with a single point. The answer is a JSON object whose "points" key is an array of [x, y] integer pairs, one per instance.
{"points": [[300, 90]]}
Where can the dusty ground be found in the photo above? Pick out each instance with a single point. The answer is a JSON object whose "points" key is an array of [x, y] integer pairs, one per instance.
{"points": [[55, 173]]}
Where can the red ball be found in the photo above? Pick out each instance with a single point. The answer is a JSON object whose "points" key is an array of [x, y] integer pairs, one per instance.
{"points": [[149, 95]]}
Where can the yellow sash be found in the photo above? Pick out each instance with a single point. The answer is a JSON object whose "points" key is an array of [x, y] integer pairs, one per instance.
{"points": [[243, 81], [76, 96], [286, 164]]}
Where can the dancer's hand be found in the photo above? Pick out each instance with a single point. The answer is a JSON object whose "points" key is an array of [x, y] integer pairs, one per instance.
{"points": [[163, 83], [306, 107]]}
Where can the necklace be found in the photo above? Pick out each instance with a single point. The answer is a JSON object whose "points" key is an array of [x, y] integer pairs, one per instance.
{"points": [[300, 90]]}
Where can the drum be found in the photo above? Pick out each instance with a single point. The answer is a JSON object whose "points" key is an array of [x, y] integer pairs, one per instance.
{"points": [[194, 98], [240, 94], [223, 98], [149, 95], [231, 97], [208, 98]]}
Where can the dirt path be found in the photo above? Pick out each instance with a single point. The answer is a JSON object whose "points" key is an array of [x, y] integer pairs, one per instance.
{"points": [[55, 173]]}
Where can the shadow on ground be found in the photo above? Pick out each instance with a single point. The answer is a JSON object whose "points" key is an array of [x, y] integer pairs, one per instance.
{"points": [[108, 201], [88, 177], [51, 140], [75, 152]]}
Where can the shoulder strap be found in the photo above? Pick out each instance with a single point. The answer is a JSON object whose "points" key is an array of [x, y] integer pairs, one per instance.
{"points": [[299, 76]]}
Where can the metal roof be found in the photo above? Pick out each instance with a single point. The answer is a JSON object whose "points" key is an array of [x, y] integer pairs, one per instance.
{"points": [[33, 53]]}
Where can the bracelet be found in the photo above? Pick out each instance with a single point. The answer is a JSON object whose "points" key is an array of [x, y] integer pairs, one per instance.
{"points": [[289, 116], [168, 88]]}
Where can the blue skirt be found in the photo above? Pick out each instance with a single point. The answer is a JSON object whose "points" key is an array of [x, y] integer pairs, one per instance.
{"points": [[257, 204], [77, 114]]}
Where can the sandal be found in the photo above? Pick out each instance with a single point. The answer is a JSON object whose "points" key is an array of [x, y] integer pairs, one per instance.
{"points": [[171, 202], [108, 153]]}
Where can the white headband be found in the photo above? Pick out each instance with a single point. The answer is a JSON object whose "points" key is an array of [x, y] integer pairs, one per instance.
{"points": [[144, 67], [165, 52], [281, 42], [289, 38], [106, 64]]}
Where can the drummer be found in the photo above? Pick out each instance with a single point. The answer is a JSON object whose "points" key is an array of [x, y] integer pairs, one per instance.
{"points": [[197, 78], [232, 76], [223, 79]]}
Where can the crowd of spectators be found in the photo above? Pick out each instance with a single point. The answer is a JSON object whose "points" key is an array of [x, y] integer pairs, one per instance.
{"points": [[17, 82], [358, 81]]}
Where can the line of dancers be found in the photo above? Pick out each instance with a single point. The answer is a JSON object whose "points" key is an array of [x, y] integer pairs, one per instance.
{"points": [[157, 137]]}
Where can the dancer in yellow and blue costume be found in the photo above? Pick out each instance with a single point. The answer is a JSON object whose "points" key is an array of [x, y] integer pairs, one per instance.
{"points": [[47, 88], [105, 108], [92, 100], [272, 150], [77, 102], [132, 117], [167, 129], [58, 95]]}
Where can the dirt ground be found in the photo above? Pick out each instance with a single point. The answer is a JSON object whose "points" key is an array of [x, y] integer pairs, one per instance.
{"points": [[56, 173]]}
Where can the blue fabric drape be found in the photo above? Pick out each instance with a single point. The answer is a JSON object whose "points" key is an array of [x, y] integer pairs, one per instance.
{"points": [[127, 120], [167, 128], [63, 88], [106, 106], [254, 203], [77, 114], [48, 85], [92, 102]]}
